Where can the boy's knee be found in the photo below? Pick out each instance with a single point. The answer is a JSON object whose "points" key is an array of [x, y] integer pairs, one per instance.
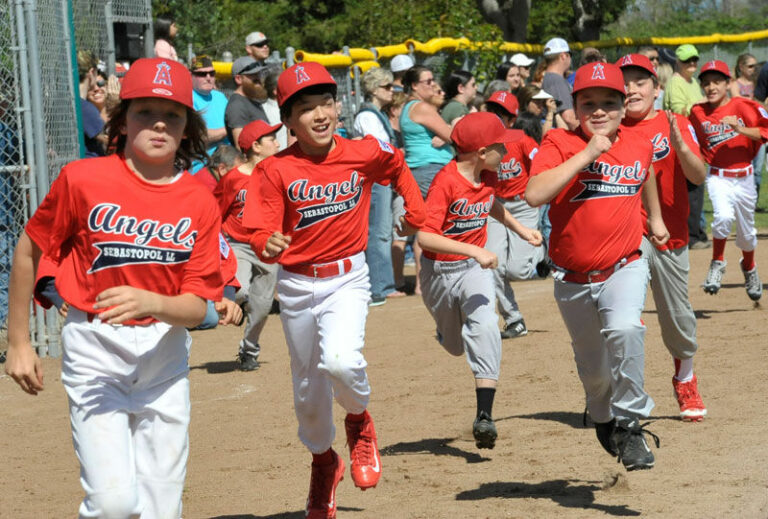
{"points": [[118, 503]]}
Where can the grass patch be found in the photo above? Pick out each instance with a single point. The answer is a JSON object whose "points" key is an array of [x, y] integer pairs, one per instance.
{"points": [[761, 217]]}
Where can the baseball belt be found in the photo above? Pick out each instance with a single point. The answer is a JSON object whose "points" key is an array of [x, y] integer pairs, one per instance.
{"points": [[732, 173], [323, 270], [596, 276]]}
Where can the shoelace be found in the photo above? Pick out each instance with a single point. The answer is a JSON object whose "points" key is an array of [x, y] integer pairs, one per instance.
{"points": [[715, 274], [687, 392], [641, 429], [362, 451], [753, 281]]}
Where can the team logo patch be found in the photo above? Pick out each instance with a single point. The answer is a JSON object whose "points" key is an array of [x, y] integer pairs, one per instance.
{"points": [[385, 146], [163, 75], [533, 153], [135, 248], [240, 202], [598, 71], [626, 60], [224, 247], [661, 147], [162, 92], [693, 134], [762, 111], [469, 217], [301, 75], [503, 97], [336, 198], [615, 181]]}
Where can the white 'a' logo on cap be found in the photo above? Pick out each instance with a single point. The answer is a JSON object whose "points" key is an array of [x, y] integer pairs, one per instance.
{"points": [[597, 71], [301, 75], [503, 97], [163, 74], [711, 64], [626, 60]]}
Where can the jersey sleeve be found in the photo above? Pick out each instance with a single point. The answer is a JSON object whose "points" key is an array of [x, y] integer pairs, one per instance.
{"points": [[264, 208], [547, 157], [228, 263], [389, 166], [223, 195], [438, 199], [55, 220], [695, 119], [202, 273], [689, 134], [530, 149], [761, 119]]}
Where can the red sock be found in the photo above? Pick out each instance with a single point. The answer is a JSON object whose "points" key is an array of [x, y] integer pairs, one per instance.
{"points": [[718, 249], [356, 417], [326, 458], [748, 263]]}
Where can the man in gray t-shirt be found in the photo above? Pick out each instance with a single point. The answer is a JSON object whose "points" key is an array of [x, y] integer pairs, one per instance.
{"points": [[244, 104], [557, 57]]}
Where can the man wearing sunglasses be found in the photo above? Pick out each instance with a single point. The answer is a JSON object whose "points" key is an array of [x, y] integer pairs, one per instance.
{"points": [[257, 46], [209, 103], [245, 103]]}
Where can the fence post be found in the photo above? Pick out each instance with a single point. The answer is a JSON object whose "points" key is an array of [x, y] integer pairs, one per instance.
{"points": [[149, 32], [358, 90], [40, 144], [290, 53], [110, 28]]}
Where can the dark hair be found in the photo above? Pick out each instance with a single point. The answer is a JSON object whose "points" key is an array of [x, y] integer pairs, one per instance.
{"points": [[270, 82], [192, 146], [454, 80], [503, 70], [412, 76], [285, 110], [498, 110], [530, 124], [623, 97], [525, 95], [163, 27]]}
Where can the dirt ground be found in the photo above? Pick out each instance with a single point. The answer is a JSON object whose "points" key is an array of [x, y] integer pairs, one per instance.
{"points": [[246, 460]]}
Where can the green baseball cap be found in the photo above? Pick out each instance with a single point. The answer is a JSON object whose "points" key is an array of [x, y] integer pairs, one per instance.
{"points": [[686, 51]]}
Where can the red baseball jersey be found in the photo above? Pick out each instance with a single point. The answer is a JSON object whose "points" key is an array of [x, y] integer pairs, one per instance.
{"points": [[458, 209], [670, 179], [107, 227], [515, 167], [206, 178], [596, 218], [721, 146], [231, 192], [322, 202]]}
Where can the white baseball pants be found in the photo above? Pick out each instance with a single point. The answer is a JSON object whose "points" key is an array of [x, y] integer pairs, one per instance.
{"points": [[324, 325], [129, 410], [733, 200]]}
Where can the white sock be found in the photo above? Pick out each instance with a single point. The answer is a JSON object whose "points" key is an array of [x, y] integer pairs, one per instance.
{"points": [[685, 371]]}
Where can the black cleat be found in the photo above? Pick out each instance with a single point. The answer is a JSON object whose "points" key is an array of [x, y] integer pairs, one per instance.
{"points": [[633, 450], [484, 431]]}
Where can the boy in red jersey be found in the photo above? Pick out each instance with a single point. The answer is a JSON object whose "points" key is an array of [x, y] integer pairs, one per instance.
{"points": [[457, 272], [731, 132], [137, 239], [311, 216], [257, 279], [676, 158], [594, 178], [518, 259]]}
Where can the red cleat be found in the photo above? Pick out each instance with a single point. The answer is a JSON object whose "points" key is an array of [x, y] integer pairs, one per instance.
{"points": [[364, 452], [321, 502], [691, 405]]}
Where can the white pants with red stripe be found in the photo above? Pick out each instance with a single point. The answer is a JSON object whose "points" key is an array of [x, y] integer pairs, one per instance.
{"points": [[733, 200], [324, 325], [129, 410]]}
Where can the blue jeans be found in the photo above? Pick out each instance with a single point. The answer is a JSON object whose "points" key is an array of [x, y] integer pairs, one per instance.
{"points": [[378, 255], [758, 163]]}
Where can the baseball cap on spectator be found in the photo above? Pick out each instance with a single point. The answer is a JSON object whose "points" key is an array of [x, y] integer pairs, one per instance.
{"points": [[200, 62], [478, 130], [667, 56], [158, 77], [556, 46], [521, 60], [253, 131], [505, 100], [715, 66], [686, 51], [246, 65], [400, 63], [637, 60], [256, 38], [542, 94], [301, 76], [605, 75]]}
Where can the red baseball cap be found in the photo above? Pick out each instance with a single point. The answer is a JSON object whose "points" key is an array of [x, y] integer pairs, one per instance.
{"points": [[158, 77], [637, 60], [715, 66], [599, 74], [253, 131], [300, 76], [506, 100], [478, 130]]}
